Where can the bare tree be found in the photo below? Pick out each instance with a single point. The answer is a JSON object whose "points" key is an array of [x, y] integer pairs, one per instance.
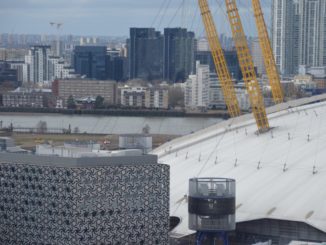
{"points": [[176, 97], [76, 130], [41, 127], [146, 129]]}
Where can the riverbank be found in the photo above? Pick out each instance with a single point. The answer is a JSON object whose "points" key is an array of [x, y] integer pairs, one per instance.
{"points": [[29, 141], [117, 112], [104, 124]]}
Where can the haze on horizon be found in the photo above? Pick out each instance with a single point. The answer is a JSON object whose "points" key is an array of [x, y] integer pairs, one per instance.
{"points": [[115, 17]]}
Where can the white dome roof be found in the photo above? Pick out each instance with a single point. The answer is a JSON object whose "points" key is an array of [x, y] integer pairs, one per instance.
{"points": [[280, 174]]}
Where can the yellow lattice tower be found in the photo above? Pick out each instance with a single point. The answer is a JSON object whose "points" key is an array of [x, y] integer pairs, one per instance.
{"points": [[270, 65], [247, 66], [219, 60]]}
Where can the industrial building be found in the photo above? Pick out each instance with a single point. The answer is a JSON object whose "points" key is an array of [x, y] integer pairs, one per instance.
{"points": [[57, 200]]}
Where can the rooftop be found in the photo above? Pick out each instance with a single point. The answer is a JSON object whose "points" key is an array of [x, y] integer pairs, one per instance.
{"points": [[279, 174], [85, 162]]}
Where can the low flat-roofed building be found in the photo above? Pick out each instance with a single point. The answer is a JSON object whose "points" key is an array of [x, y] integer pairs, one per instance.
{"points": [[81, 88], [23, 97]]}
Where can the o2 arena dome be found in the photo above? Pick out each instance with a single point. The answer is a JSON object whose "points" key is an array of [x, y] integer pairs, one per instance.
{"points": [[280, 175]]}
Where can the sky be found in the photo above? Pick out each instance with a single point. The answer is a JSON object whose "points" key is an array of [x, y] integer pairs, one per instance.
{"points": [[115, 17]]}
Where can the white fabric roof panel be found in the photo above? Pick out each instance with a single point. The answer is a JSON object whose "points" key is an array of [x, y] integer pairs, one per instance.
{"points": [[274, 171]]}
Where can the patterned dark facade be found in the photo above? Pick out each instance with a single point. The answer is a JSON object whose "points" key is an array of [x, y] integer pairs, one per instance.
{"points": [[78, 204]]}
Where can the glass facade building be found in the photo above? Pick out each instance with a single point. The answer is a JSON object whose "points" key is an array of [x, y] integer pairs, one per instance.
{"points": [[145, 52], [90, 61], [179, 54]]}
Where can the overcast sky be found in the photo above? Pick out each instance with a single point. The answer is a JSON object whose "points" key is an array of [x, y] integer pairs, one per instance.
{"points": [[115, 17]]}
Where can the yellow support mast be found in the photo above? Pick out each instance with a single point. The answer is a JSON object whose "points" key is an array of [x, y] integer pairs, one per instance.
{"points": [[272, 73], [219, 60], [247, 67]]}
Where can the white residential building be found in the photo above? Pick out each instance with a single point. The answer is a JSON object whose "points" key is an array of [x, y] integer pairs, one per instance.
{"points": [[133, 96], [202, 45], [197, 88], [145, 97], [21, 68], [37, 62], [298, 34], [285, 35], [58, 69], [215, 92], [312, 31], [243, 97]]}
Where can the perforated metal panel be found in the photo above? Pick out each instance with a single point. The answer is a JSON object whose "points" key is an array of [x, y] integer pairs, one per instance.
{"points": [[118, 204]]}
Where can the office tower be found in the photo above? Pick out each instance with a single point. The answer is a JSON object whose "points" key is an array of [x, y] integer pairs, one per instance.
{"points": [[145, 52], [116, 68], [179, 54], [285, 35], [88, 200], [205, 58], [89, 61], [37, 60], [7, 73], [312, 32]]}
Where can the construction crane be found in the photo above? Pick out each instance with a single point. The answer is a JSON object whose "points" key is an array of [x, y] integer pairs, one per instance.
{"points": [[270, 65], [219, 60], [247, 67], [58, 25]]}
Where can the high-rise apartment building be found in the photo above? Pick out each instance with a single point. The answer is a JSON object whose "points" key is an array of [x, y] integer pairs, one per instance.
{"points": [[285, 35], [145, 52], [197, 88], [37, 60], [179, 54], [312, 32], [90, 61], [298, 34]]}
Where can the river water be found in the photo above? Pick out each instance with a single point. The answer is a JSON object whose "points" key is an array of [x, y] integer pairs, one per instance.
{"points": [[110, 124]]}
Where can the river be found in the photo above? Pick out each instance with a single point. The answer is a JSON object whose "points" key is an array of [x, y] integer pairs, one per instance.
{"points": [[110, 124]]}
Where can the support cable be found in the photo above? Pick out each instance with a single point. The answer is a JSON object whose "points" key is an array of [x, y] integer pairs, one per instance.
{"points": [[158, 13], [164, 13]]}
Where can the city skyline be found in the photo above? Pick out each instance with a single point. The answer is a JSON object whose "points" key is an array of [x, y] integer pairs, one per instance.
{"points": [[99, 17]]}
